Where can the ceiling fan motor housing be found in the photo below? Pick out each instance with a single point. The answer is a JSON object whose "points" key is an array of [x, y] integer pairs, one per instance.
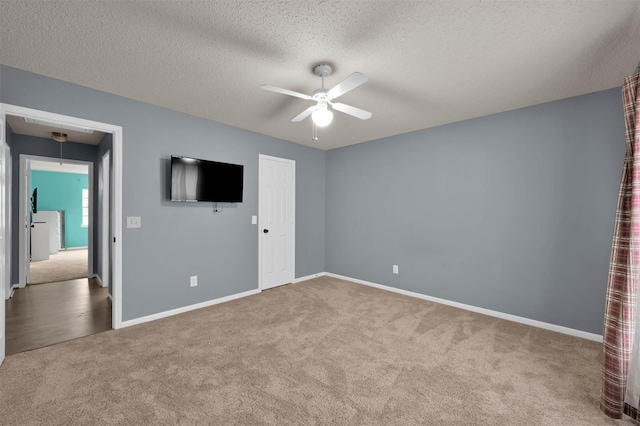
{"points": [[320, 95]]}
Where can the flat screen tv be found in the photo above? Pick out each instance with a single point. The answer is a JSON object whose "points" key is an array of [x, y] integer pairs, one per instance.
{"points": [[34, 201], [193, 180]]}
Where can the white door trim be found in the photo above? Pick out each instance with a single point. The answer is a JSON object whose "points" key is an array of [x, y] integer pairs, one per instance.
{"points": [[23, 243], [260, 215], [5, 218], [105, 213], [116, 131]]}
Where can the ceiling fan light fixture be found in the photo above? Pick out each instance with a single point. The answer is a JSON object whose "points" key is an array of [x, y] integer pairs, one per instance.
{"points": [[59, 136], [320, 113], [322, 116]]}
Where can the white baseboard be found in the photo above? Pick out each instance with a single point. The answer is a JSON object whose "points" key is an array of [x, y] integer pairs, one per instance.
{"points": [[535, 323], [177, 311], [97, 277], [110, 298], [308, 277]]}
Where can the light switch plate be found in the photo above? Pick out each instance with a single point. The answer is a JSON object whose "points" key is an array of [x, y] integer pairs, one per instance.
{"points": [[254, 220], [134, 222]]}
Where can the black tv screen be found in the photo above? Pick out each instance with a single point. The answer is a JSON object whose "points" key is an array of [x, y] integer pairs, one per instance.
{"points": [[193, 179], [34, 201]]}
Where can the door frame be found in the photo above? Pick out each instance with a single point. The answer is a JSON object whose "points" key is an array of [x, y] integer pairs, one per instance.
{"points": [[23, 242], [105, 212], [260, 233], [116, 217], [5, 217]]}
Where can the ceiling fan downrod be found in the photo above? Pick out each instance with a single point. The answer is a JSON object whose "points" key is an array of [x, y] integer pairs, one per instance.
{"points": [[322, 71]]}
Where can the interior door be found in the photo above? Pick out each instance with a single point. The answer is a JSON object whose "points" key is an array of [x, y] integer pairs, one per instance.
{"points": [[276, 221]]}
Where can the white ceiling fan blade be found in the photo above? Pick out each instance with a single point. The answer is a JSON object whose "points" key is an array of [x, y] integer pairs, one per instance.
{"points": [[304, 114], [356, 112], [285, 91], [349, 83]]}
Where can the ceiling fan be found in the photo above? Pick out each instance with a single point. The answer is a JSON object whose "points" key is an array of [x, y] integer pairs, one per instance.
{"points": [[320, 113]]}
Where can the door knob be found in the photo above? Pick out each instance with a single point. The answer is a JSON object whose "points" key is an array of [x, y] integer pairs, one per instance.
{"points": [[266, 231]]}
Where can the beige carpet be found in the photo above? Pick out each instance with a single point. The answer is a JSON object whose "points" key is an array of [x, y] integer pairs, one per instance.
{"points": [[320, 352], [64, 266]]}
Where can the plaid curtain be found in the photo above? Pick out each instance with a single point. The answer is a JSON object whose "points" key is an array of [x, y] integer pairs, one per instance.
{"points": [[624, 268]]}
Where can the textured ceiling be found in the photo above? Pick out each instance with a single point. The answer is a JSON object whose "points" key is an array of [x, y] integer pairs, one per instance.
{"points": [[428, 62]]}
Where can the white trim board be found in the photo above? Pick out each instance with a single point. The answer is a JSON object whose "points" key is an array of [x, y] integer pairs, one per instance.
{"points": [[308, 277], [522, 320], [116, 152], [25, 161], [97, 278], [489, 312], [184, 309]]}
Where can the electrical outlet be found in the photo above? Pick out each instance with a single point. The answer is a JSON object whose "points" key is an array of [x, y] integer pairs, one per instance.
{"points": [[134, 222], [395, 269], [193, 281]]}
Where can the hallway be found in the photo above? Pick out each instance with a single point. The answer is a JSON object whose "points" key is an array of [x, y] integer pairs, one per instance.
{"points": [[46, 314], [63, 266]]}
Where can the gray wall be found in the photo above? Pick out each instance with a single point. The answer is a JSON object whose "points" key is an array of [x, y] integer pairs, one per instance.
{"points": [[42, 147], [512, 212], [178, 240]]}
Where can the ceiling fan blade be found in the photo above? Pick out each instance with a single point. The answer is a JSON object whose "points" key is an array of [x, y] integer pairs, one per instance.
{"points": [[304, 114], [285, 91], [349, 83], [356, 112]]}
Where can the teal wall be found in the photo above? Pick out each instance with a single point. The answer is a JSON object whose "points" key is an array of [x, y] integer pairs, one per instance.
{"points": [[63, 191]]}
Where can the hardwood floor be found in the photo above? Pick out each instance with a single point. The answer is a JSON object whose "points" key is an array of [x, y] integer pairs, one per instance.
{"points": [[45, 314]]}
